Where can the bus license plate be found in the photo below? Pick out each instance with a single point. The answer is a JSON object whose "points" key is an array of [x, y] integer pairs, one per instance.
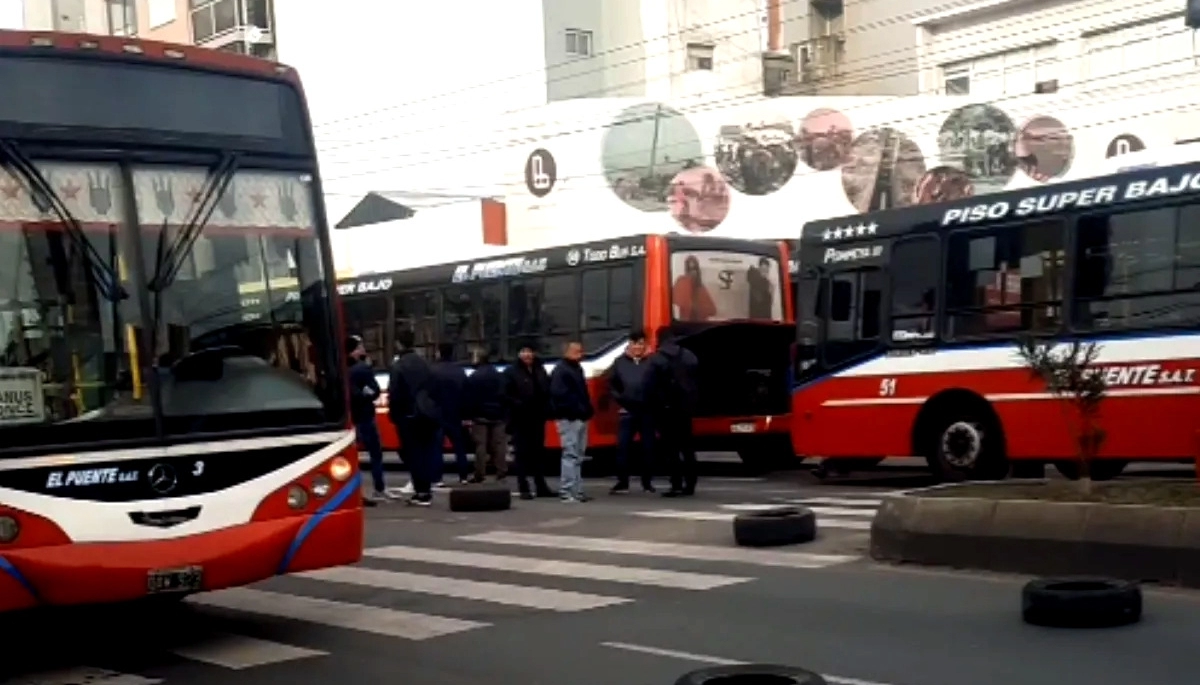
{"points": [[186, 579], [742, 428]]}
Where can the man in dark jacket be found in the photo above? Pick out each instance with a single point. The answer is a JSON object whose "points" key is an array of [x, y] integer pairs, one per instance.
{"points": [[448, 381], [364, 390], [571, 409], [528, 389], [485, 406], [627, 385], [414, 410], [673, 387]]}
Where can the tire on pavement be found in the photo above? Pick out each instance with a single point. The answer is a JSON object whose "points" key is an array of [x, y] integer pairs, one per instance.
{"points": [[775, 527], [1081, 602], [480, 498], [751, 674]]}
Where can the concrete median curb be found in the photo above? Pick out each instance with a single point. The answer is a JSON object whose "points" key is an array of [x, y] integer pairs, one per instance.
{"points": [[1134, 542]]}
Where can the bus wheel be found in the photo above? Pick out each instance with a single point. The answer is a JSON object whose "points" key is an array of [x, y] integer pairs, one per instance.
{"points": [[1102, 469], [966, 446]]}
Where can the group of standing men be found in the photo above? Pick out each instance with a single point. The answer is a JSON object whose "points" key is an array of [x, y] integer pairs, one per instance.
{"points": [[433, 403]]}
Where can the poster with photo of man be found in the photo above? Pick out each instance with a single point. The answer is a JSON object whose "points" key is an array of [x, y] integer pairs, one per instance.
{"points": [[715, 285]]}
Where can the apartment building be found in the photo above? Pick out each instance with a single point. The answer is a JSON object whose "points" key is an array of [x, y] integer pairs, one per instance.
{"points": [[661, 49], [985, 48], [245, 26], [850, 47], [1004, 48]]}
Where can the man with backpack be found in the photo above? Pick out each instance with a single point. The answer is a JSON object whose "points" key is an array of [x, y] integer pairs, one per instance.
{"points": [[673, 384], [413, 409]]}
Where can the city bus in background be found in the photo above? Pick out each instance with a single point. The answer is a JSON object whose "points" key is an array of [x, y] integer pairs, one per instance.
{"points": [[908, 321], [172, 393], [740, 329]]}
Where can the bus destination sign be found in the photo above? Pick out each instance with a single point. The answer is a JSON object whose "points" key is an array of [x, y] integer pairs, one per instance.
{"points": [[1094, 196]]}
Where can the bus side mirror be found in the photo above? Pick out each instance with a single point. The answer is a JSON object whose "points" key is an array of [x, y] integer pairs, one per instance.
{"points": [[803, 357]]}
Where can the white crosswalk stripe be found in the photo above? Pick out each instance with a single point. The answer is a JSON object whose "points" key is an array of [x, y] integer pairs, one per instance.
{"points": [[395, 572], [843, 513]]}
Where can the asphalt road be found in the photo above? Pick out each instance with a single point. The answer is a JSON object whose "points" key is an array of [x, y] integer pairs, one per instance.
{"points": [[633, 589]]}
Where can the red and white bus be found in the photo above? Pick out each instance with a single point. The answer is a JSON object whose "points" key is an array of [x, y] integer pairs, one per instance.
{"points": [[596, 293], [172, 396], [908, 321]]}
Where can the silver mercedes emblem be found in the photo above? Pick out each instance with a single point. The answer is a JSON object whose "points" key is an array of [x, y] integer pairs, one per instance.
{"points": [[162, 478], [573, 257]]}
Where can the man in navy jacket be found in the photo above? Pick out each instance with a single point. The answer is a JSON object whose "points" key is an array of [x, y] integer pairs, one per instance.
{"points": [[448, 381], [628, 385], [571, 409], [364, 390]]}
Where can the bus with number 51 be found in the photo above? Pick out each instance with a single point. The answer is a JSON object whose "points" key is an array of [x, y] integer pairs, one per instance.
{"points": [[908, 321]]}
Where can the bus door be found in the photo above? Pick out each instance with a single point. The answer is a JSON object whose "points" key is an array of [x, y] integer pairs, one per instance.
{"points": [[844, 328], [841, 319]]}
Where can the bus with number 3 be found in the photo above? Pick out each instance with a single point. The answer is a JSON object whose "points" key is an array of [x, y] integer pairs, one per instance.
{"points": [[909, 317], [172, 391]]}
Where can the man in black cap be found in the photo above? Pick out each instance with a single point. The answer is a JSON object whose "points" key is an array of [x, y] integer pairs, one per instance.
{"points": [[364, 390]]}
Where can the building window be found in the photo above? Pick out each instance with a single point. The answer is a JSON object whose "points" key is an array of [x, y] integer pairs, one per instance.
{"points": [[956, 80], [1016, 72], [122, 17], [699, 57], [579, 43], [1134, 49], [213, 17]]}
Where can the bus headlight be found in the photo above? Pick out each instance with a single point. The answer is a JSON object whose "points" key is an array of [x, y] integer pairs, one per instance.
{"points": [[340, 469], [297, 497], [321, 486], [9, 529]]}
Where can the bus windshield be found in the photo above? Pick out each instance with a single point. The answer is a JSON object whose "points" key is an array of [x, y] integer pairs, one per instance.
{"points": [[243, 337]]}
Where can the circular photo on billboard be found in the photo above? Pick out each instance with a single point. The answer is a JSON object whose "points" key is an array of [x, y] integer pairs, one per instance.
{"points": [[699, 199], [1045, 148], [757, 157], [942, 184], [883, 170], [825, 139], [644, 148], [980, 140]]}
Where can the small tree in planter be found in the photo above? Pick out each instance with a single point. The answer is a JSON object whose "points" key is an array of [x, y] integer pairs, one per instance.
{"points": [[1069, 373]]}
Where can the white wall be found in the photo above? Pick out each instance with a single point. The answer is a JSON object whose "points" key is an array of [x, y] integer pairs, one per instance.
{"points": [[433, 235], [377, 74], [583, 206]]}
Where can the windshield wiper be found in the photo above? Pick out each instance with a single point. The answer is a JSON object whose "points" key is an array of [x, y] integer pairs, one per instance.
{"points": [[170, 260], [23, 170]]}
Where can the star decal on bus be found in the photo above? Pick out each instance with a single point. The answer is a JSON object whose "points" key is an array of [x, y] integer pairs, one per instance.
{"points": [[854, 231]]}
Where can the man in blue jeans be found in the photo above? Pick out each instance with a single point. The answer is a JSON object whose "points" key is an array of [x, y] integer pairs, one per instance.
{"points": [[571, 408], [364, 390]]}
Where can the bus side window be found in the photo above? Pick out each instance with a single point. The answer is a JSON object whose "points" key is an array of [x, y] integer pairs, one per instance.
{"points": [[417, 312], [1138, 269], [606, 311], [915, 269], [367, 316], [524, 314], [1001, 280]]}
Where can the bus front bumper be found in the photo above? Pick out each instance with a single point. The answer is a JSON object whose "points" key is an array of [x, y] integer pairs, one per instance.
{"points": [[104, 572]]}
